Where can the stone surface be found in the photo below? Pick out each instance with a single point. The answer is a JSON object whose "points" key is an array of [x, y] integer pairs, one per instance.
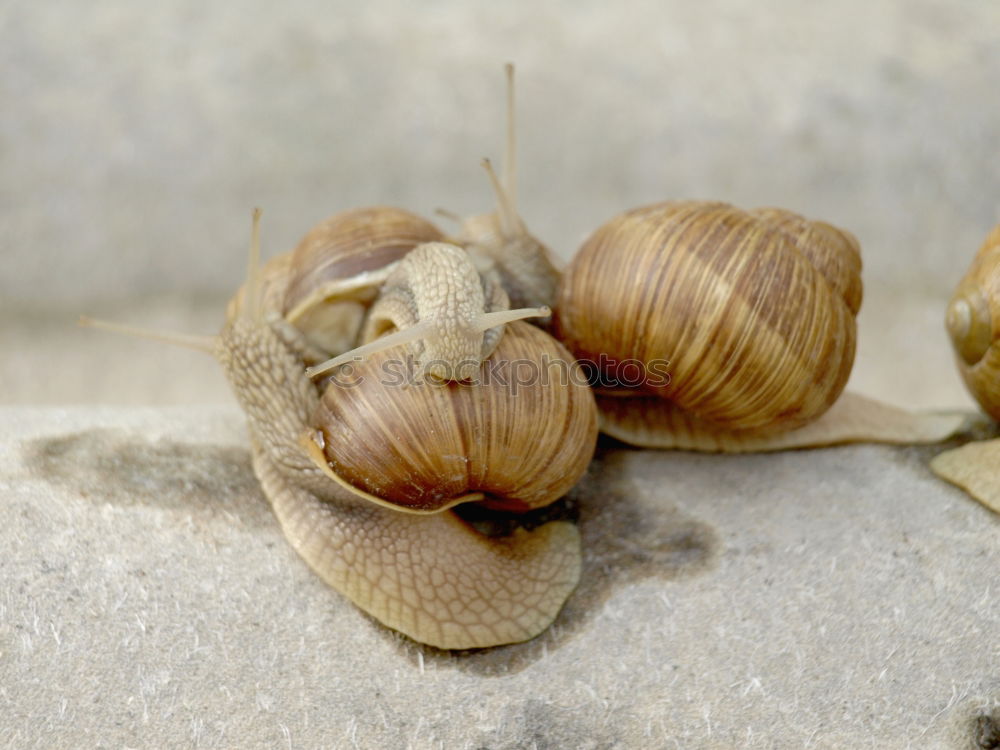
{"points": [[826, 599]]}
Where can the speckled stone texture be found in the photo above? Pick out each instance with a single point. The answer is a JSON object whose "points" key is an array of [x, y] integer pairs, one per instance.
{"points": [[832, 599]]}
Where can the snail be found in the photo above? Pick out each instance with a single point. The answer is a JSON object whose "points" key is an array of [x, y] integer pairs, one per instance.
{"points": [[973, 324], [364, 477], [718, 329]]}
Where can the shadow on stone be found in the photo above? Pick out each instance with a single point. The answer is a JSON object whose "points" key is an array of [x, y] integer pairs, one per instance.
{"points": [[113, 466], [627, 536]]}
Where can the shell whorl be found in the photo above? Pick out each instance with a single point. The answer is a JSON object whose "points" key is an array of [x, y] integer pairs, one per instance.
{"points": [[351, 243], [753, 315], [522, 435], [973, 323], [335, 270], [969, 324]]}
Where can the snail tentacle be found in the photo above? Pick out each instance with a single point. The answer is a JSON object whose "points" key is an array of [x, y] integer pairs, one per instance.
{"points": [[526, 266]]}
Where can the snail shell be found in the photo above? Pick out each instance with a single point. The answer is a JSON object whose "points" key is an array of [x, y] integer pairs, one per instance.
{"points": [[325, 284], [517, 438], [750, 314], [335, 271], [973, 322]]}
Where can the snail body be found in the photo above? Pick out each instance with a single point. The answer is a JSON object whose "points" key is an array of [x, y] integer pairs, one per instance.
{"points": [[439, 280], [525, 266], [744, 319], [973, 323]]}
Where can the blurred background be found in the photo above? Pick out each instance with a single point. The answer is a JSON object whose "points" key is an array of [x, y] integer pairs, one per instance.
{"points": [[136, 138]]}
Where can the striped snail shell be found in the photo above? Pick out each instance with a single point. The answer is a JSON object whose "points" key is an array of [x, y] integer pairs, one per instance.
{"points": [[742, 318], [516, 437], [973, 322], [334, 273]]}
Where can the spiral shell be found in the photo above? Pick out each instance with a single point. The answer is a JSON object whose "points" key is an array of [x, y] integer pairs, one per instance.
{"points": [[973, 322], [751, 314], [521, 435], [335, 270]]}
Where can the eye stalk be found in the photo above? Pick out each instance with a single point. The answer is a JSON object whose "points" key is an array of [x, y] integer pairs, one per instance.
{"points": [[753, 310]]}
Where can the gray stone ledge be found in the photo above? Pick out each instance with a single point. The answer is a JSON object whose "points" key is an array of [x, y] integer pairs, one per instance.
{"points": [[829, 599]]}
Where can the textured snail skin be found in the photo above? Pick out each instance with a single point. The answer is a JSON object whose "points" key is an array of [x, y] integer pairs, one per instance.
{"points": [[754, 316], [432, 577], [525, 266], [973, 322], [430, 276]]}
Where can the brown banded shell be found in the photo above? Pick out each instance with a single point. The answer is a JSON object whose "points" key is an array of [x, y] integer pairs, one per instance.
{"points": [[336, 269], [522, 434], [751, 314], [973, 322], [833, 252]]}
